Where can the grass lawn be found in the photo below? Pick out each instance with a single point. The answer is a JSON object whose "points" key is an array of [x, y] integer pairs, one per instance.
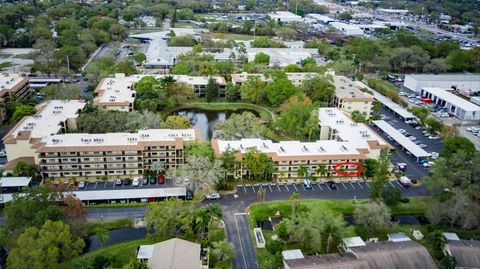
{"points": [[123, 252], [185, 25], [241, 37], [5, 65]]}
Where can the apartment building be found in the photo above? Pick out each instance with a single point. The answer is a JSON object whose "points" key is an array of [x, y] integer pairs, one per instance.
{"points": [[336, 125], [52, 117], [114, 155], [118, 93], [296, 78], [349, 97], [12, 84], [289, 156]]}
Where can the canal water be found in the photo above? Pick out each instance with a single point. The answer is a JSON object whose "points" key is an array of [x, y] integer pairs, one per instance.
{"points": [[116, 236]]}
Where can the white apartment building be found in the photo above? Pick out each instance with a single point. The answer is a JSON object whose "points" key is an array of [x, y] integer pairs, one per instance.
{"points": [[296, 78], [336, 125], [12, 84], [349, 97], [118, 93]]}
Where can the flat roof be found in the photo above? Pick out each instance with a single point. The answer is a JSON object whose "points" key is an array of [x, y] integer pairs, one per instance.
{"points": [[452, 99], [445, 77], [15, 181], [321, 17], [451, 236], [356, 241], [9, 81], [291, 148], [348, 130], [284, 14], [116, 139], [401, 139], [398, 237], [292, 254], [388, 103], [345, 88], [119, 194], [46, 121], [145, 252]]}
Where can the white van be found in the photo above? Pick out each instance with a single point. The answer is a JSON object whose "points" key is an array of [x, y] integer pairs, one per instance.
{"points": [[405, 181]]}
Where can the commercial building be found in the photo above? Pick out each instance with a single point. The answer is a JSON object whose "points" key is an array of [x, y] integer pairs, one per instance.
{"points": [[319, 18], [174, 253], [459, 82], [12, 84], [41, 139], [296, 78], [349, 97], [347, 29], [284, 17], [289, 156], [460, 107], [118, 93], [336, 125]]}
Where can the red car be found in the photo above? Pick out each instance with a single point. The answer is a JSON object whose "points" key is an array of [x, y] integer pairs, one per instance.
{"points": [[161, 179]]}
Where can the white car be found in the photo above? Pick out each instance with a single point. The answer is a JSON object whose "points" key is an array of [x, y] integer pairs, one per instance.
{"points": [[412, 138], [402, 131], [405, 181], [433, 137], [402, 93], [136, 182], [422, 145], [434, 155], [213, 196], [428, 164]]}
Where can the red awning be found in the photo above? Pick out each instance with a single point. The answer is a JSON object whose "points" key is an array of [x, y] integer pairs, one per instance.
{"points": [[427, 100]]}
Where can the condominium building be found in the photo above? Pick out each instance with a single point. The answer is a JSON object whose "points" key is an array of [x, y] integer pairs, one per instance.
{"points": [[41, 139], [349, 97], [336, 125], [118, 93], [296, 78], [12, 84], [114, 155], [289, 156]]}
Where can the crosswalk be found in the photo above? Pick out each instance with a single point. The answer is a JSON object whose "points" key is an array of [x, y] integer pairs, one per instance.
{"points": [[352, 186]]}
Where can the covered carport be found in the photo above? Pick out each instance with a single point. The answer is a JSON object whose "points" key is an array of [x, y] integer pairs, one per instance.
{"points": [[128, 195], [401, 140]]}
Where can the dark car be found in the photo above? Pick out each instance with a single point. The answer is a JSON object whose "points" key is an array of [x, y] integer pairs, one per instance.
{"points": [[118, 182], [153, 180], [127, 181], [161, 179], [332, 185], [145, 181], [189, 195]]}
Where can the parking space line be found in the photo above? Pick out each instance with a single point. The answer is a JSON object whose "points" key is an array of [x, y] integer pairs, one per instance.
{"points": [[244, 189], [96, 182], [366, 183], [391, 184], [351, 184], [319, 185], [328, 187], [303, 186], [295, 186], [286, 186], [311, 185], [278, 186], [253, 188], [398, 183], [270, 187], [360, 185], [344, 186]]}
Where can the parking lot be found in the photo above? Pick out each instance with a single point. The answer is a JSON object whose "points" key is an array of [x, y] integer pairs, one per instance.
{"points": [[110, 185]]}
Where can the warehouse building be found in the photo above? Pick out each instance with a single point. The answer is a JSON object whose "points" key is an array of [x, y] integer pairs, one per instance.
{"points": [[460, 107], [459, 82], [284, 17]]}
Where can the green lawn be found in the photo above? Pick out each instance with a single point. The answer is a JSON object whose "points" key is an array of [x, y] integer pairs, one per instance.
{"points": [[241, 37], [185, 25], [5, 65]]}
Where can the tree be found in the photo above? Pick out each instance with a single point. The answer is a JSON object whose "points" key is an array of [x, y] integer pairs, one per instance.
{"points": [[211, 90], [261, 58], [61, 91], [245, 125], [391, 196], [232, 92], [371, 166], [22, 111], [169, 217], [319, 88], [179, 92], [275, 246], [223, 250], [436, 66], [24, 169], [380, 177], [48, 246], [294, 204], [158, 167], [102, 235], [260, 166], [252, 89], [345, 16], [279, 90], [434, 124], [44, 60], [421, 112], [140, 57], [181, 69], [357, 116], [455, 144], [177, 122], [136, 264], [229, 163], [372, 215], [199, 149]]}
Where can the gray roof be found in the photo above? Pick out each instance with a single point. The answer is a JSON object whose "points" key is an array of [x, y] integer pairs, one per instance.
{"points": [[399, 255], [466, 252], [446, 77], [15, 181], [175, 254], [129, 193], [328, 261]]}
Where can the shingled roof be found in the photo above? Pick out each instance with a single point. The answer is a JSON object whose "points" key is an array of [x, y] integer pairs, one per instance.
{"points": [[466, 252]]}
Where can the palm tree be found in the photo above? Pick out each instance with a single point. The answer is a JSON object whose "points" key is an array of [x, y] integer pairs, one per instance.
{"points": [[302, 171], [322, 170], [223, 250], [102, 235], [294, 203], [332, 235], [213, 211]]}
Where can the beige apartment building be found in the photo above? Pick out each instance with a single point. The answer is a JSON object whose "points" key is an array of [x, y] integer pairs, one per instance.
{"points": [[12, 84], [289, 156], [349, 97], [118, 92], [296, 78]]}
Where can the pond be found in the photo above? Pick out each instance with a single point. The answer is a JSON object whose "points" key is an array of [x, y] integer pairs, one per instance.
{"points": [[116, 236], [205, 120]]}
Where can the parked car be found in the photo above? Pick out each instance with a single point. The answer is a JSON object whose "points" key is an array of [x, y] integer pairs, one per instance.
{"points": [[189, 195], [433, 137], [82, 185], [118, 182], [135, 182], [405, 181], [412, 138], [145, 181], [332, 185], [434, 155], [428, 164], [161, 179], [422, 145], [153, 180], [402, 166], [213, 196], [127, 181]]}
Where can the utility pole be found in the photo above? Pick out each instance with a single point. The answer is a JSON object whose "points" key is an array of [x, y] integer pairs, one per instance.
{"points": [[68, 64]]}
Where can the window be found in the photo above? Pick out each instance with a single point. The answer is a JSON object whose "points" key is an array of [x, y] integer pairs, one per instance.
{"points": [[131, 158]]}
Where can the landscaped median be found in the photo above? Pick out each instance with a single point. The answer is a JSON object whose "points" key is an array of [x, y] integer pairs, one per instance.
{"points": [[280, 211]]}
